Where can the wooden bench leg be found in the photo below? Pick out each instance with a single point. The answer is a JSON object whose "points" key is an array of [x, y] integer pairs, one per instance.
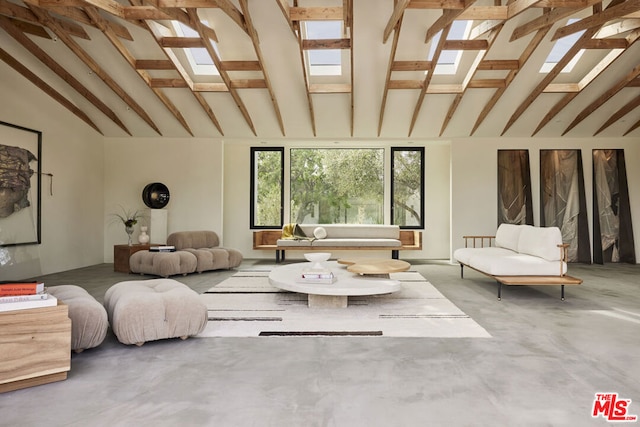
{"points": [[499, 291], [562, 292]]}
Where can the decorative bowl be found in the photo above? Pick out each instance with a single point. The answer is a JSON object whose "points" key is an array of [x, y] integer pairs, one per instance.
{"points": [[317, 256]]}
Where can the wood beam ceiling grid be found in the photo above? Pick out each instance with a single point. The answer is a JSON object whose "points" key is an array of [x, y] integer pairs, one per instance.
{"points": [[51, 14], [611, 30], [296, 16]]}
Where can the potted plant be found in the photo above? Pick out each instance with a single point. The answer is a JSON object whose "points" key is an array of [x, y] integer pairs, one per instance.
{"points": [[129, 219]]}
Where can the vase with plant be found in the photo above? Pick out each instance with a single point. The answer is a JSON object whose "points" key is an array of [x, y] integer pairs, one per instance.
{"points": [[128, 219]]}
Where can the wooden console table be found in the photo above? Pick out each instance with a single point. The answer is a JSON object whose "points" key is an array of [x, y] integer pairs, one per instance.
{"points": [[121, 254], [36, 346]]}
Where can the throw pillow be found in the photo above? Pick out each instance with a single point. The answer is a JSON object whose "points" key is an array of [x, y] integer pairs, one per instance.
{"points": [[319, 233]]}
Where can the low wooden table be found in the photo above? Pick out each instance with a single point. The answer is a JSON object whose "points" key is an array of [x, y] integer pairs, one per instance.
{"points": [[36, 346], [121, 254], [379, 267]]}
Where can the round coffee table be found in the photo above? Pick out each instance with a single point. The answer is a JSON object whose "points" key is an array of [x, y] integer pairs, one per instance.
{"points": [[334, 295]]}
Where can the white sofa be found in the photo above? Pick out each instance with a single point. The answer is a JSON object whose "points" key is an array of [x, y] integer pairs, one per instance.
{"points": [[332, 237], [518, 255]]}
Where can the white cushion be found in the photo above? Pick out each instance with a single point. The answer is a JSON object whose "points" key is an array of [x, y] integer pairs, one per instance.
{"points": [[357, 231], [515, 265], [541, 242], [507, 236], [319, 232], [465, 255], [329, 242]]}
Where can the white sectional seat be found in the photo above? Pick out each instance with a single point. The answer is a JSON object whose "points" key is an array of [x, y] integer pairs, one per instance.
{"points": [[519, 255]]}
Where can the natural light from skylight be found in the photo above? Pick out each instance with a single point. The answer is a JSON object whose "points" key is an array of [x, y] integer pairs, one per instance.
{"points": [[560, 49], [449, 59], [324, 62], [199, 60]]}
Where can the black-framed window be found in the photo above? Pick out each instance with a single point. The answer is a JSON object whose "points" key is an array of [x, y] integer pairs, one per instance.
{"points": [[407, 187], [267, 187]]}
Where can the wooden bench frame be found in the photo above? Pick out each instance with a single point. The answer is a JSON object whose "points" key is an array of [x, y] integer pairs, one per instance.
{"points": [[266, 240], [561, 279]]}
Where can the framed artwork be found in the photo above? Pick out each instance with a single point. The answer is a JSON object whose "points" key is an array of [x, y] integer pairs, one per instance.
{"points": [[514, 187], [20, 186]]}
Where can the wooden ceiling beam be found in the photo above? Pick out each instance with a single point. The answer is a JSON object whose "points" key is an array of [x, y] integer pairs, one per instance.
{"points": [[608, 94], [242, 65], [232, 12], [24, 14], [29, 28], [466, 44], [411, 65], [396, 15], [595, 71], [620, 113], [110, 34], [470, 76], [522, 60], [153, 64], [447, 18], [60, 71], [182, 42], [547, 19], [158, 31], [316, 14], [42, 85], [253, 34], [133, 13], [197, 25], [499, 64], [326, 44], [45, 18], [598, 19], [550, 76], [387, 81], [316, 88]]}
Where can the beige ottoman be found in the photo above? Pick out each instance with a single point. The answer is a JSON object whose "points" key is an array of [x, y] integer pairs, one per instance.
{"points": [[89, 322], [163, 264], [148, 310]]}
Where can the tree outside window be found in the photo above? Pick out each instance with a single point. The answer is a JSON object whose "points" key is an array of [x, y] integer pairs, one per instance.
{"points": [[407, 187], [267, 187], [337, 186]]}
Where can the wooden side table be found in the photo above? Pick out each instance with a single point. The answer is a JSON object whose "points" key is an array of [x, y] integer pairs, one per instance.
{"points": [[36, 346], [121, 254]]}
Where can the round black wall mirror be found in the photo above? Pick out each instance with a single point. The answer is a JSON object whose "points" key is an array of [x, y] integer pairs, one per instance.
{"points": [[155, 195]]}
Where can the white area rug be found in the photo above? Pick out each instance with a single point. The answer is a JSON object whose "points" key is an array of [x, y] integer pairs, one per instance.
{"points": [[246, 305]]}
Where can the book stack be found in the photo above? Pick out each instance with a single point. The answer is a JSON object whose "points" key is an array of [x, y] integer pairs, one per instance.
{"points": [[24, 295], [317, 276], [162, 249]]}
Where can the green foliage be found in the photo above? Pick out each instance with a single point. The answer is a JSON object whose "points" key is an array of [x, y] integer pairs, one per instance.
{"points": [[338, 186]]}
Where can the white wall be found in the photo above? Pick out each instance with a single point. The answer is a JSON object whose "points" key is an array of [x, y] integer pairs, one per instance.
{"points": [[237, 198], [190, 167], [72, 225], [474, 183]]}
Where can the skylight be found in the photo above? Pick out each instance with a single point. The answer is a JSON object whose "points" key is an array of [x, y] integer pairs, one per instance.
{"points": [[324, 62], [449, 59], [198, 57], [560, 49]]}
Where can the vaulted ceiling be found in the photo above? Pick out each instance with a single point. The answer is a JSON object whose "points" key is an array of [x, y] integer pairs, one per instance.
{"points": [[122, 67]]}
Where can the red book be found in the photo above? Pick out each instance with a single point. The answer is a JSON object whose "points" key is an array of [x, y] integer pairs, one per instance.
{"points": [[18, 288]]}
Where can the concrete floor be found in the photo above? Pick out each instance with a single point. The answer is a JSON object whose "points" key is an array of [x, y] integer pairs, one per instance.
{"points": [[543, 366]]}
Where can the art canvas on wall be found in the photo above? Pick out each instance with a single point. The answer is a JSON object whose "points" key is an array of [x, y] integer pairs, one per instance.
{"points": [[20, 194]]}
